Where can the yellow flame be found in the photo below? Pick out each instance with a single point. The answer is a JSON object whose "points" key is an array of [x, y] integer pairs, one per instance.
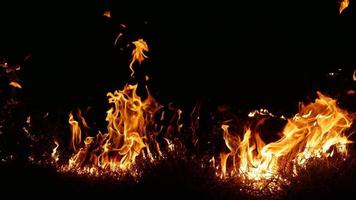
{"points": [[55, 154], [131, 130], [129, 133], [15, 84], [138, 53], [314, 132], [76, 132], [343, 5]]}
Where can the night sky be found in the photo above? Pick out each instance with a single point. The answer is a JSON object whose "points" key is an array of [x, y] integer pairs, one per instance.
{"points": [[251, 54]]}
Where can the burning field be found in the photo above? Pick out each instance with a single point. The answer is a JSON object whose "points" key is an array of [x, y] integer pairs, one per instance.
{"points": [[89, 137]]}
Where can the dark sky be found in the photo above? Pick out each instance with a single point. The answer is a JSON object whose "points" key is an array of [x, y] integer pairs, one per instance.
{"points": [[252, 53]]}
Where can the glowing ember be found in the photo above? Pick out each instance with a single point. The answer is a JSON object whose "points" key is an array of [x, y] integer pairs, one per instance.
{"points": [[317, 131], [117, 38], [107, 14], [15, 85], [138, 53], [260, 112], [343, 5], [350, 92]]}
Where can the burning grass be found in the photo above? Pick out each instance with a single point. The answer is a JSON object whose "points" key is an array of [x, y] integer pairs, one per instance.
{"points": [[316, 132], [144, 150], [180, 177]]}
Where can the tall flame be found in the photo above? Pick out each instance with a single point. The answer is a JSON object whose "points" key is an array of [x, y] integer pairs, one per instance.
{"points": [[138, 53], [317, 131], [76, 132], [343, 5], [131, 130], [129, 133], [128, 126]]}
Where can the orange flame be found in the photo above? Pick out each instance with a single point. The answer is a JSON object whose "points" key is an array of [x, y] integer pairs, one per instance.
{"points": [[107, 14], [354, 75], [138, 53], [343, 5], [15, 84], [130, 123], [76, 132], [131, 131], [317, 131]]}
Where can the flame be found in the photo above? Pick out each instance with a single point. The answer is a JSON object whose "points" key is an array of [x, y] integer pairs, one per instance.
{"points": [[315, 132], [15, 84], [354, 75], [129, 133], [107, 14], [76, 132], [138, 53], [343, 5], [55, 154], [232, 142], [82, 119]]}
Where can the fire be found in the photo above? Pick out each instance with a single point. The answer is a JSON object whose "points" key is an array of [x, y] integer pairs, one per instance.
{"points": [[317, 131], [129, 133], [55, 154], [76, 132], [138, 53], [107, 14], [343, 5], [15, 84], [354, 75]]}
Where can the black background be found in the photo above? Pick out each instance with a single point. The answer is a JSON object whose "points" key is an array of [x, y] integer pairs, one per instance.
{"points": [[250, 54]]}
